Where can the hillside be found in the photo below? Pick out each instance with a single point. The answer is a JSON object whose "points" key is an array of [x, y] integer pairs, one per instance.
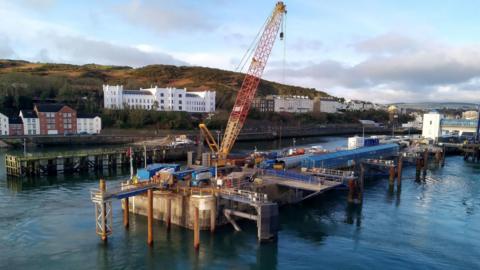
{"points": [[22, 82]]}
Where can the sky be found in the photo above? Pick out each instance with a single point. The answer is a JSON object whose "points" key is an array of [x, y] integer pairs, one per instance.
{"points": [[376, 50]]}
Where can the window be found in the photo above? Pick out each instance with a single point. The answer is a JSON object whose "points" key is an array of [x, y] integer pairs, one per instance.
{"points": [[161, 94], [180, 95], [179, 102], [180, 108], [161, 101]]}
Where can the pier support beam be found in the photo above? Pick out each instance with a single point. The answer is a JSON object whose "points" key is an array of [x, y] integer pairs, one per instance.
{"points": [[150, 217], [196, 229], [125, 213]]}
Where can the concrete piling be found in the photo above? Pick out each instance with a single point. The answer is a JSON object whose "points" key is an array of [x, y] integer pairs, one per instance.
{"points": [[150, 217]]}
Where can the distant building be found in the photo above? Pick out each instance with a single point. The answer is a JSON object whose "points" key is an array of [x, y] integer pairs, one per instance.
{"points": [[89, 123], [369, 123], [470, 115], [293, 104], [264, 104], [327, 105], [31, 124], [277, 103], [56, 119], [160, 99], [4, 125], [435, 125], [15, 126]]}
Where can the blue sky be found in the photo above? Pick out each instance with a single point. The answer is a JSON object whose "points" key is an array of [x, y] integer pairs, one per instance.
{"points": [[383, 51]]}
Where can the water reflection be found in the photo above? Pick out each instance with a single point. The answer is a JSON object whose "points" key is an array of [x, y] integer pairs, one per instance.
{"points": [[267, 256], [354, 214]]}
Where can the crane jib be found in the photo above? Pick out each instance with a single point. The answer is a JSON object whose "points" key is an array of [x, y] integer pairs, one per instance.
{"points": [[251, 81]]}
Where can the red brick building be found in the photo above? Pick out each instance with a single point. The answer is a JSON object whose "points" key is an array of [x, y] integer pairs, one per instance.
{"points": [[56, 119], [15, 126]]}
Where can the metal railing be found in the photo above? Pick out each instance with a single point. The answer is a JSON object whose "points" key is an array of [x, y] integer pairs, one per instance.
{"points": [[244, 195], [310, 179]]}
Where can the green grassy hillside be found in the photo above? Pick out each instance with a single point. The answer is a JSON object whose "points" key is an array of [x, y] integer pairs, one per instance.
{"points": [[81, 86]]}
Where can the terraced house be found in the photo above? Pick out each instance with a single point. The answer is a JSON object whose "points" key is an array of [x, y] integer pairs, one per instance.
{"points": [[56, 119]]}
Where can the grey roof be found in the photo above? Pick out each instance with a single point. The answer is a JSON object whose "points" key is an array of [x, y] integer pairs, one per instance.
{"points": [[29, 114], [53, 107], [87, 115], [15, 120], [137, 92]]}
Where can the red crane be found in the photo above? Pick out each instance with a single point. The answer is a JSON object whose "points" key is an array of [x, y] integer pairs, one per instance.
{"points": [[249, 86]]}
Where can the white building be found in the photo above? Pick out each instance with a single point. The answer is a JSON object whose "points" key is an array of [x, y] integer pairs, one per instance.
{"points": [[292, 104], [431, 125], [160, 99], [88, 123], [3, 124], [31, 123], [328, 105]]}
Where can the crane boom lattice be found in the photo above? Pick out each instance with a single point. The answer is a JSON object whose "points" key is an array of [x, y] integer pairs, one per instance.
{"points": [[249, 86]]}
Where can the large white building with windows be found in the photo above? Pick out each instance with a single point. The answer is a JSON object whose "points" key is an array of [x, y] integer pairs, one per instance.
{"points": [[160, 99]]}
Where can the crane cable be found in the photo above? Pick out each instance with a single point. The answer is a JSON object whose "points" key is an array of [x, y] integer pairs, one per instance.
{"points": [[284, 32]]}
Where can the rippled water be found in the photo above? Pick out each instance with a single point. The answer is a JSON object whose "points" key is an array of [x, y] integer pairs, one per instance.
{"points": [[49, 224]]}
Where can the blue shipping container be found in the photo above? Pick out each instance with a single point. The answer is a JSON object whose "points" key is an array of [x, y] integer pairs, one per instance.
{"points": [[152, 169]]}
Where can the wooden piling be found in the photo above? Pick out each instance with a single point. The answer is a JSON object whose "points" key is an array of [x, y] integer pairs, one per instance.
{"points": [[103, 188], [443, 156], [399, 168], [150, 217], [351, 190], [196, 229], [125, 213], [361, 183], [392, 176], [425, 159]]}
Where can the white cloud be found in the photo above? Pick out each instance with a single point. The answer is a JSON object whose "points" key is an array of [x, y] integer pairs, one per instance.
{"points": [[57, 43], [165, 16], [398, 69]]}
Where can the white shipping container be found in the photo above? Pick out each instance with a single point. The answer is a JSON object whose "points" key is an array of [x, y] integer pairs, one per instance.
{"points": [[355, 142]]}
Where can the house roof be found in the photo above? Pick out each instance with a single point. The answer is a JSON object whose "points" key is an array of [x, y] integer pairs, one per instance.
{"points": [[15, 120], [136, 92], [87, 115], [29, 114], [54, 107]]}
